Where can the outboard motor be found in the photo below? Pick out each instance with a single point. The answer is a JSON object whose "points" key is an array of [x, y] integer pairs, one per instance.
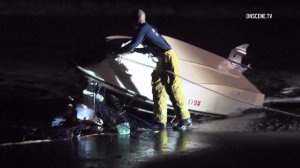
{"points": [[236, 55]]}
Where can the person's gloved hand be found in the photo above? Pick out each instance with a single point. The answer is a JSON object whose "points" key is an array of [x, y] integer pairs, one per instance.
{"points": [[128, 52]]}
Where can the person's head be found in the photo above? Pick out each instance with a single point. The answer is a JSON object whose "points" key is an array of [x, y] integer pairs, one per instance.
{"points": [[138, 17]]}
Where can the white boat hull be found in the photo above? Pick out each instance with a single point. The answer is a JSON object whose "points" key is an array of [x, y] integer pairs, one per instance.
{"points": [[210, 83]]}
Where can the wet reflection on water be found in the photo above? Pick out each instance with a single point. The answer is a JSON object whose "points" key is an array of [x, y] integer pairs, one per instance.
{"points": [[170, 141], [143, 148], [112, 150]]}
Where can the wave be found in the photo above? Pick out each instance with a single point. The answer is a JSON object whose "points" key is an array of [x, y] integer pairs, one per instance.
{"points": [[272, 100]]}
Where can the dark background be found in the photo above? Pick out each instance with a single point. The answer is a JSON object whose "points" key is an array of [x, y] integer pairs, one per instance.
{"points": [[78, 27], [38, 38]]}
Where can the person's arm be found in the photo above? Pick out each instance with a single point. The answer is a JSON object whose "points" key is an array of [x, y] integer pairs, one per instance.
{"points": [[138, 39]]}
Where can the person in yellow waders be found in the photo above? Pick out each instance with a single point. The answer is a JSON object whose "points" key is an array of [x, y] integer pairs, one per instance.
{"points": [[165, 78]]}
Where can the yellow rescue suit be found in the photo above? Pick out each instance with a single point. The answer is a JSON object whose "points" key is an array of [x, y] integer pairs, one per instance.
{"points": [[165, 81]]}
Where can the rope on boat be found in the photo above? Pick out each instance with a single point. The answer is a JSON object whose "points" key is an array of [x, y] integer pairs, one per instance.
{"points": [[197, 84], [254, 105]]}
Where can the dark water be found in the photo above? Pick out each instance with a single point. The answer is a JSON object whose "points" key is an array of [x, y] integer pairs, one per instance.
{"points": [[37, 77]]}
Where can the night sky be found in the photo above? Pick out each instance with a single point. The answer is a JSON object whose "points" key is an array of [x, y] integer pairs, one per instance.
{"points": [[199, 8], [215, 25]]}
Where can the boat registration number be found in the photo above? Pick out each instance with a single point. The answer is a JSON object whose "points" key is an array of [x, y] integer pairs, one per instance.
{"points": [[194, 102]]}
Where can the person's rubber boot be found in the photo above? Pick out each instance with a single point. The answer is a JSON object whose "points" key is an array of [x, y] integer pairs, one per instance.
{"points": [[159, 126], [183, 125]]}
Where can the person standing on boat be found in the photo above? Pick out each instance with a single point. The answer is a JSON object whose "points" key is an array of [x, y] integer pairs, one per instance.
{"points": [[164, 78]]}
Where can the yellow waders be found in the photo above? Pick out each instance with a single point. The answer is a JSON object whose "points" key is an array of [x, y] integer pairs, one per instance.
{"points": [[164, 84]]}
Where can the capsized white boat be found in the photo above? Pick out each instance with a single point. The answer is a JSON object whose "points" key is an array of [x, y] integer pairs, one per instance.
{"points": [[212, 84]]}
